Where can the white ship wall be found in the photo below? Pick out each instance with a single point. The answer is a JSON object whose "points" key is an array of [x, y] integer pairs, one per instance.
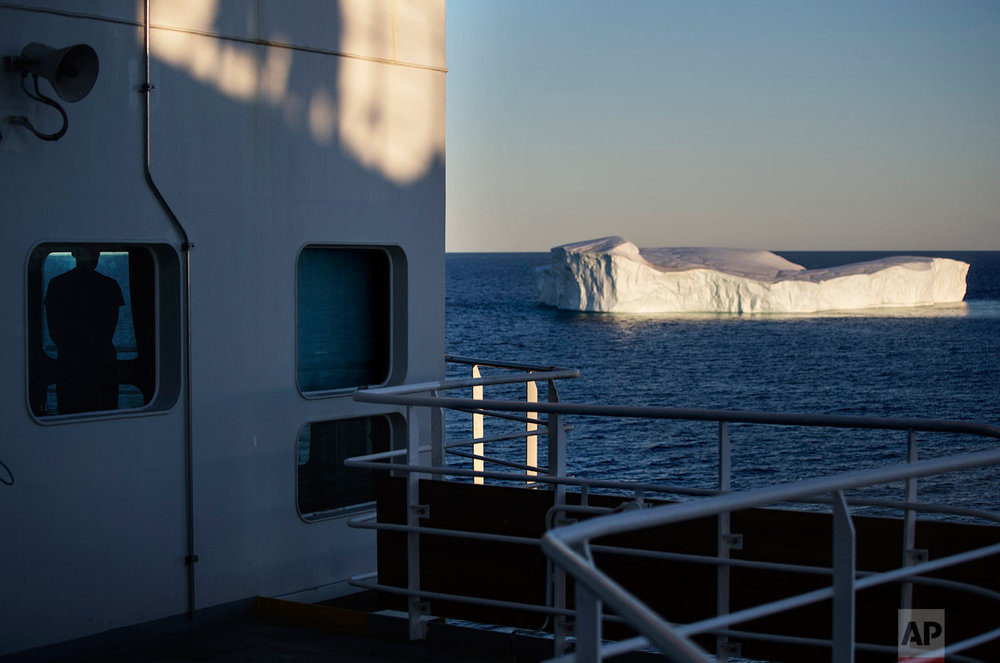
{"points": [[334, 137]]}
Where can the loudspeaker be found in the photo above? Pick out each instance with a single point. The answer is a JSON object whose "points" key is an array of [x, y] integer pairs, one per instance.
{"points": [[72, 71]]}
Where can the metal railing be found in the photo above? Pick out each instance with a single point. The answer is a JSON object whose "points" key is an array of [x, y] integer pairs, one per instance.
{"points": [[570, 547], [528, 474]]}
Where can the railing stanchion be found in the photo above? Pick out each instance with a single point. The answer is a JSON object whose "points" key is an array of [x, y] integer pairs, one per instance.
{"points": [[588, 626], [909, 521], [437, 435], [479, 448], [843, 581], [415, 607], [557, 456], [557, 468], [725, 540]]}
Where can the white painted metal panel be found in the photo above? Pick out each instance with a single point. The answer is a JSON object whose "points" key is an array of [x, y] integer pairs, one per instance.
{"points": [[256, 164]]}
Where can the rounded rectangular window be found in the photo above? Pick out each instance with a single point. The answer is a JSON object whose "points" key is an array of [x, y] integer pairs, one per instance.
{"points": [[325, 486], [93, 340], [344, 317]]}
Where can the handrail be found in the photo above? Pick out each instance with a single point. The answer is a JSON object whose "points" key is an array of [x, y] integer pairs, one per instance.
{"points": [[689, 414], [569, 546], [378, 394], [527, 374], [469, 361], [746, 499]]}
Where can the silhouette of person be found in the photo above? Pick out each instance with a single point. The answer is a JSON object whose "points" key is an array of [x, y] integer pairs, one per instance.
{"points": [[81, 307]]}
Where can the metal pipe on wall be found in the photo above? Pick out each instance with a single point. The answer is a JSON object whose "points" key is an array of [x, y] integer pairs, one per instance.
{"points": [[190, 558]]}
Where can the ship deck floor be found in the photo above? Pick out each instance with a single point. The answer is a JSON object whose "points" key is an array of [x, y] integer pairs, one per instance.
{"points": [[263, 641]]}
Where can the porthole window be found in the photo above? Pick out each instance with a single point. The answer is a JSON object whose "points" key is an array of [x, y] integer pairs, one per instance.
{"points": [[344, 324], [94, 328], [325, 486]]}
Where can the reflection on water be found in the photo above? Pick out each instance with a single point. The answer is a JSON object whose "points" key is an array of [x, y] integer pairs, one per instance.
{"points": [[984, 309], [955, 310]]}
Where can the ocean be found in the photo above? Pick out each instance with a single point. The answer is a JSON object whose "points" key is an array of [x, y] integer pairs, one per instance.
{"points": [[929, 362]]}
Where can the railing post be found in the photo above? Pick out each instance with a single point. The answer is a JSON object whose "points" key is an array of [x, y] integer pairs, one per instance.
{"points": [[477, 428], [588, 626], [437, 435], [557, 454], [722, 645], [414, 511], [531, 441], [843, 581], [557, 468], [909, 522]]}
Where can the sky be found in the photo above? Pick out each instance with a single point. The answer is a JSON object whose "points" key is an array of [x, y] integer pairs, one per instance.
{"points": [[780, 125]]}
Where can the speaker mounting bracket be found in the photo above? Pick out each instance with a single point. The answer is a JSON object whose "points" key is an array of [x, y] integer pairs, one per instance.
{"points": [[71, 71], [18, 63]]}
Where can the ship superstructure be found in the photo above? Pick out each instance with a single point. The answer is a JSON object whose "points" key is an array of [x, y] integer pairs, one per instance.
{"points": [[250, 196]]}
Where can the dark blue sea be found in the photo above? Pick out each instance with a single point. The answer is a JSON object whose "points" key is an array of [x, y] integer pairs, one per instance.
{"points": [[936, 362]]}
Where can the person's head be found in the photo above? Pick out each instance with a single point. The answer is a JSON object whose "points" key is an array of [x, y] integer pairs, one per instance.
{"points": [[86, 257]]}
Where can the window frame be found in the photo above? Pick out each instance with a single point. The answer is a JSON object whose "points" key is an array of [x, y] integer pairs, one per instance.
{"points": [[396, 319], [396, 427], [165, 344]]}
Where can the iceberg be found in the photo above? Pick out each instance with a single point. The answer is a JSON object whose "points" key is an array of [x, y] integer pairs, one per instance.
{"points": [[612, 274]]}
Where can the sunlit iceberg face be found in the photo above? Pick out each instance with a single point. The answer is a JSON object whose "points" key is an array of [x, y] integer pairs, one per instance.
{"points": [[614, 275]]}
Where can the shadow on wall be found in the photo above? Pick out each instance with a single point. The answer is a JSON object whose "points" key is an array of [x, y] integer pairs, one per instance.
{"points": [[382, 106]]}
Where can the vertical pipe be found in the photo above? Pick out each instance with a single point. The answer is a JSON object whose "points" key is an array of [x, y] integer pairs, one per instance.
{"points": [[843, 581], [190, 558], [909, 521], [723, 570], [477, 428], [531, 441]]}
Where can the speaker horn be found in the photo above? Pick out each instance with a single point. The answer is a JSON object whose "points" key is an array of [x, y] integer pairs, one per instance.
{"points": [[72, 71]]}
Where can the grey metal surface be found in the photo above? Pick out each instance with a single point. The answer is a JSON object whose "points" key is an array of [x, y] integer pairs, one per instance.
{"points": [[258, 641]]}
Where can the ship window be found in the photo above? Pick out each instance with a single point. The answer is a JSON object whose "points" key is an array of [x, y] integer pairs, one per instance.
{"points": [[325, 486], [92, 328], [344, 317]]}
